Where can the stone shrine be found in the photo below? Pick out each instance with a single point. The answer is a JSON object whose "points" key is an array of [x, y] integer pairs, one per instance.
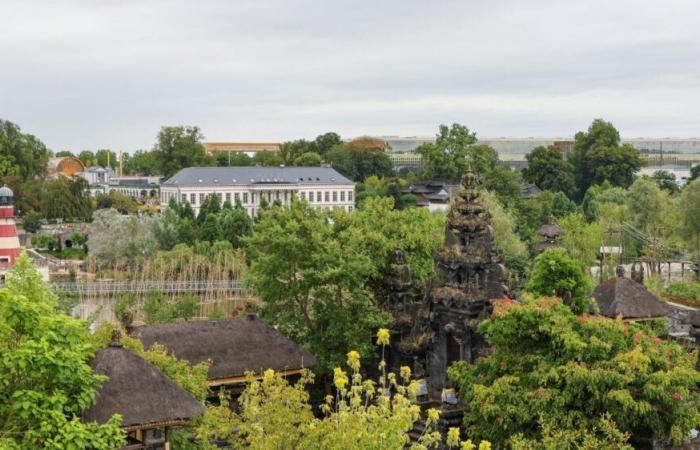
{"points": [[433, 332]]}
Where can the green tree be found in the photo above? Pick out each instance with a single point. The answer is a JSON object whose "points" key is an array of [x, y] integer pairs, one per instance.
{"points": [[556, 274], [210, 206], [509, 244], [106, 158], [142, 162], [63, 153], [689, 208], [561, 205], [210, 230], [236, 225], [341, 159], [308, 159], [118, 240], [180, 147], [87, 157], [547, 168], [45, 379], [694, 173], [647, 204], [591, 205], [312, 285], [290, 151], [598, 157], [325, 142], [505, 183], [66, 199], [269, 159], [666, 180], [583, 239], [21, 154], [453, 152], [31, 222], [547, 365], [233, 159]]}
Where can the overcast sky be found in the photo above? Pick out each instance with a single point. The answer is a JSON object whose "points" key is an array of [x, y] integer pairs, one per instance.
{"points": [[109, 73]]}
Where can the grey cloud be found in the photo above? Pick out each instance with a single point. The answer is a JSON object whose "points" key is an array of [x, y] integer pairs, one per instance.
{"points": [[87, 74]]}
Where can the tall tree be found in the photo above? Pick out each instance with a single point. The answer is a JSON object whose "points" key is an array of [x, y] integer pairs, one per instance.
{"points": [[142, 162], [308, 159], [453, 152], [313, 286], [20, 153], [666, 180], [45, 379], [548, 368], [325, 142], [87, 157], [547, 168], [289, 151], [178, 148], [106, 158], [598, 157], [689, 207], [555, 273]]}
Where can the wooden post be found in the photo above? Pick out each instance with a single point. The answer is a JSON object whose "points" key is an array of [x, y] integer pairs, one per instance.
{"points": [[166, 441]]}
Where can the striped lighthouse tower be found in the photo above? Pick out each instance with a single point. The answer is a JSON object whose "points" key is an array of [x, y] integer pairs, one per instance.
{"points": [[9, 243]]}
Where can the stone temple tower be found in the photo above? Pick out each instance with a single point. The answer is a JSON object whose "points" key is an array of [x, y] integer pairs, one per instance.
{"points": [[469, 275], [9, 243]]}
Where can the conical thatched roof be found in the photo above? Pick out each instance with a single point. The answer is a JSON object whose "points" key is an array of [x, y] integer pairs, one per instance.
{"points": [[550, 230], [233, 346], [621, 296], [142, 394]]}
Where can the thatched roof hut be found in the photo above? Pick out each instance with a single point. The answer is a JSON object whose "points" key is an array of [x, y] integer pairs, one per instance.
{"points": [[232, 346], [140, 393], [623, 297]]}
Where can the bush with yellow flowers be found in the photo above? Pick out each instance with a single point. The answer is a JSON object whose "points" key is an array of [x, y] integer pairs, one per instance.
{"points": [[362, 414]]}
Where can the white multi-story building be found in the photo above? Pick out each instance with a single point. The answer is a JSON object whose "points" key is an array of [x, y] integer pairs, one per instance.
{"points": [[321, 187]]}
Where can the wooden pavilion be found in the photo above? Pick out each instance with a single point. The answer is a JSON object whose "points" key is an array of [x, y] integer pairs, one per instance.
{"points": [[232, 347], [148, 401]]}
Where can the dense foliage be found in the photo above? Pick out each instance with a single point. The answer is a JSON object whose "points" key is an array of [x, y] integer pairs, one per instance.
{"points": [[552, 370], [317, 273], [179, 147], [556, 274], [45, 379]]}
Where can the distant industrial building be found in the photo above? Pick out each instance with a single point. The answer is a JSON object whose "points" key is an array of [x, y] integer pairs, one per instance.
{"points": [[215, 148], [321, 187]]}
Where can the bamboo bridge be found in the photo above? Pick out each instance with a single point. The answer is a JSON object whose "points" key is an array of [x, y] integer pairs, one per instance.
{"points": [[108, 288]]}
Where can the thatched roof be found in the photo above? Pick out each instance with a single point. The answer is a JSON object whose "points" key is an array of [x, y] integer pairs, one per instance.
{"points": [[550, 230], [621, 296], [142, 394], [233, 346], [694, 319]]}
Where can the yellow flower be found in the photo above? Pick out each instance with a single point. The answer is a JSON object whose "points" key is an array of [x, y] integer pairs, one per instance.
{"points": [[340, 378], [467, 445], [453, 437], [433, 415], [405, 373], [484, 445], [354, 360], [268, 375], [383, 336]]}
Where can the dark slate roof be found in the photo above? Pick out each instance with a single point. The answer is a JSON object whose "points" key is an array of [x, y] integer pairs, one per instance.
{"points": [[138, 391], [233, 346], [530, 190], [244, 176], [621, 296]]}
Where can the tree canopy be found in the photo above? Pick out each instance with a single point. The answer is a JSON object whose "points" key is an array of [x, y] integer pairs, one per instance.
{"points": [[548, 169], [598, 157], [180, 147], [20, 153], [550, 368], [45, 379]]}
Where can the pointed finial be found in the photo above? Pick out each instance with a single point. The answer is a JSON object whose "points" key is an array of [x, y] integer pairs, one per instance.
{"points": [[116, 338]]}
